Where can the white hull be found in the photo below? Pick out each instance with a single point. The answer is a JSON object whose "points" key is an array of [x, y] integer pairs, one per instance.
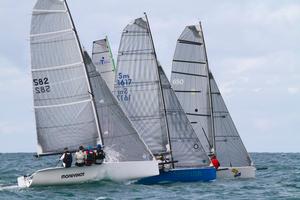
{"points": [[115, 171], [236, 172]]}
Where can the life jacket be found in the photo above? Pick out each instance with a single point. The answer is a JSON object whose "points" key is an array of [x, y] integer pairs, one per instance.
{"points": [[68, 159], [89, 157], [215, 163]]}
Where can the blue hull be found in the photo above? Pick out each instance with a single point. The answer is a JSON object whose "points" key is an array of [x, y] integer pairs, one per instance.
{"points": [[181, 175]]}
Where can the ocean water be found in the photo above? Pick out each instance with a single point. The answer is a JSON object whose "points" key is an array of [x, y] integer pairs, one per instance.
{"points": [[280, 181]]}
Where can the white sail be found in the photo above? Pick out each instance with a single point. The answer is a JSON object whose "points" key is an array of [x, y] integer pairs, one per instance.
{"points": [[104, 62], [195, 87], [62, 103], [137, 85]]}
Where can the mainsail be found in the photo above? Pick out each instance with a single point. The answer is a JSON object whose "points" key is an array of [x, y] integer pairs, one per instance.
{"points": [[186, 147], [73, 105], [147, 96], [189, 80], [63, 107], [200, 97], [137, 85], [104, 62]]}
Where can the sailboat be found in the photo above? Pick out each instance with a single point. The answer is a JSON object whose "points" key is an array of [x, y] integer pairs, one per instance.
{"points": [[202, 101], [146, 94], [74, 106], [103, 59]]}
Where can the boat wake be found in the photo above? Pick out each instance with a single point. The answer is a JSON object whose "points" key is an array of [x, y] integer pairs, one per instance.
{"points": [[8, 187], [100, 198]]}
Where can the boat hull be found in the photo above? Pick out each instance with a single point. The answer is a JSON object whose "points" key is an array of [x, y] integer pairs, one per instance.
{"points": [[236, 172], [115, 171], [181, 175]]}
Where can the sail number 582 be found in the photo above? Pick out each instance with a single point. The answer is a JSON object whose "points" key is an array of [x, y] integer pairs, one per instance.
{"points": [[41, 85]]}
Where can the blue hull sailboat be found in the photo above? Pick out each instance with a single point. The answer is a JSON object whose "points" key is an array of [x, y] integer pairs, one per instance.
{"points": [[144, 91]]}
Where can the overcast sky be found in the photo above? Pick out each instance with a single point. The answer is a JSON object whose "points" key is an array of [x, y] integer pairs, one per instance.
{"points": [[253, 51]]}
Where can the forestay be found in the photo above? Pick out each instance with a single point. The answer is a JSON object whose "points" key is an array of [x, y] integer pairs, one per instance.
{"points": [[229, 146], [186, 147], [62, 103], [119, 136], [104, 62], [137, 85], [190, 82]]}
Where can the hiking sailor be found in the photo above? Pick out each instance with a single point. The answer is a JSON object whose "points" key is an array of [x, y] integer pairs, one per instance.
{"points": [[99, 154], [66, 158], [79, 157], [214, 161]]}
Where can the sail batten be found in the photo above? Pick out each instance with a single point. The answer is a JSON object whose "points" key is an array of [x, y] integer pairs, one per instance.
{"points": [[64, 104], [51, 33]]}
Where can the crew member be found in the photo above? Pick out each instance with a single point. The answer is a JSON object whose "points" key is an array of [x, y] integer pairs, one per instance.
{"points": [[79, 156], [214, 161], [89, 156], [99, 154], [66, 158]]}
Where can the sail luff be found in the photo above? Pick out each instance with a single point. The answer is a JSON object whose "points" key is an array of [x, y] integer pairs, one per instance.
{"points": [[89, 83], [212, 132], [161, 90], [111, 54]]}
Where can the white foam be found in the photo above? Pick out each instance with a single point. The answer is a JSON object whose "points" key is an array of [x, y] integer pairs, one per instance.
{"points": [[9, 187], [111, 155], [100, 198]]}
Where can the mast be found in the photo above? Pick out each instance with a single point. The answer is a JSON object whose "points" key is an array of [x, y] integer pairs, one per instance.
{"points": [[89, 83], [209, 96], [164, 107]]}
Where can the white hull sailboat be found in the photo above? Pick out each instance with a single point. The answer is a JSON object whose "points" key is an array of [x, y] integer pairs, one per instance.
{"points": [[113, 171], [204, 105], [74, 106]]}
